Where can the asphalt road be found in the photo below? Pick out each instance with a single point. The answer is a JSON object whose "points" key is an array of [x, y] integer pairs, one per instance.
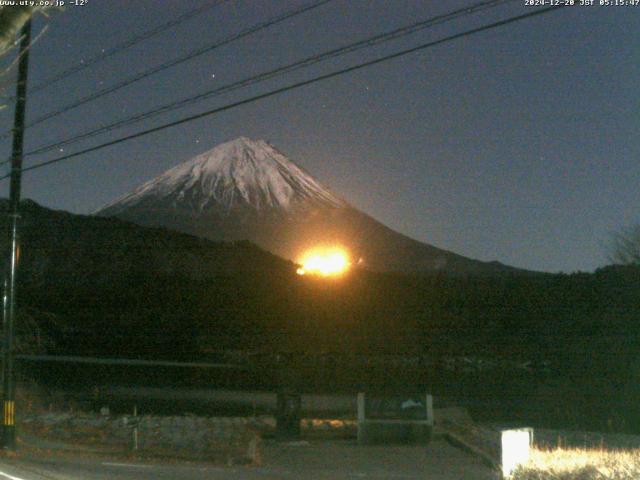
{"points": [[326, 460]]}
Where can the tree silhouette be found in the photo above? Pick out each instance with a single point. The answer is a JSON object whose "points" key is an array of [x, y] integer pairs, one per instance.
{"points": [[625, 248]]}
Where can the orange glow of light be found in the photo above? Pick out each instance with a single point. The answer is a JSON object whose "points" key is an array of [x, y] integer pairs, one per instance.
{"points": [[327, 262]]}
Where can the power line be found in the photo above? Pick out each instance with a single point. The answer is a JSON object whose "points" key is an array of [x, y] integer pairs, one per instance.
{"points": [[294, 86], [352, 47], [172, 63], [48, 82]]}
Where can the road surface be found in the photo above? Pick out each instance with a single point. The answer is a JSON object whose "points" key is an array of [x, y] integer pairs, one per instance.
{"points": [[315, 460]]}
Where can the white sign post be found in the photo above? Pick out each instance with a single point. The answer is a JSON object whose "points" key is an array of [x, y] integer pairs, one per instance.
{"points": [[515, 447]]}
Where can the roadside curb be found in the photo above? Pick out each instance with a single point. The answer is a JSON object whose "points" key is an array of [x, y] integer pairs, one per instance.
{"points": [[35, 443], [45, 444], [460, 443]]}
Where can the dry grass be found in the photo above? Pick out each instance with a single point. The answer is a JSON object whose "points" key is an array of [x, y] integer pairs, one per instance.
{"points": [[580, 464]]}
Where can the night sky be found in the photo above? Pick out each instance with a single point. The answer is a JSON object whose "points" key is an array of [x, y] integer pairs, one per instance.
{"points": [[519, 144]]}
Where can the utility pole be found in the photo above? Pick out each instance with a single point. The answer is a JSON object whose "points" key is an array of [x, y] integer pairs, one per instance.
{"points": [[9, 299]]}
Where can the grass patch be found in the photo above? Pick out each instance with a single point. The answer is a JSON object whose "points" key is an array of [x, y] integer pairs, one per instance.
{"points": [[580, 464]]}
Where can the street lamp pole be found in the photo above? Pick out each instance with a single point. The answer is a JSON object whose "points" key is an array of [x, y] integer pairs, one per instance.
{"points": [[9, 300]]}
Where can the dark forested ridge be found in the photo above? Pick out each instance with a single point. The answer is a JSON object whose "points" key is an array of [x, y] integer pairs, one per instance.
{"points": [[104, 287]]}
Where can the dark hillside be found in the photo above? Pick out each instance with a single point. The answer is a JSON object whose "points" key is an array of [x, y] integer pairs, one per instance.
{"points": [[105, 287], [116, 288]]}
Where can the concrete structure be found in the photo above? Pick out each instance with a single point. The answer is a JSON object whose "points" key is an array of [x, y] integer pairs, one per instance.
{"points": [[394, 419]]}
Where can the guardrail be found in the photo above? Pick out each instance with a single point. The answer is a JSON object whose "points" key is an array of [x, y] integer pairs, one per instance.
{"points": [[125, 361]]}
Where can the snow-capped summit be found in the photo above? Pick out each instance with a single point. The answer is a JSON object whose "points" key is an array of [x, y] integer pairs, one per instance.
{"points": [[239, 174], [247, 190]]}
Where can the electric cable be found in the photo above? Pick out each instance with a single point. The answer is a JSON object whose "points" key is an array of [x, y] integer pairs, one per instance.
{"points": [[293, 86], [172, 63], [352, 47], [52, 80]]}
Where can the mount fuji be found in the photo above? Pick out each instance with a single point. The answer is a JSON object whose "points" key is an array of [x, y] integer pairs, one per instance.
{"points": [[247, 190]]}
